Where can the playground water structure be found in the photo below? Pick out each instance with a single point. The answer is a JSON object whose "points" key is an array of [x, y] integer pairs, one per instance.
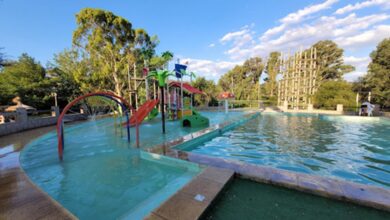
{"points": [[101, 169], [347, 147]]}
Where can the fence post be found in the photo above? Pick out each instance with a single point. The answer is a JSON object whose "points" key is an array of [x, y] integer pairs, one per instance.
{"points": [[339, 108], [21, 116], [55, 111], [285, 105], [309, 107]]}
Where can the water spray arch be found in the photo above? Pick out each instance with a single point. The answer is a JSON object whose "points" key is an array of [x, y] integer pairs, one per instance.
{"points": [[119, 100]]}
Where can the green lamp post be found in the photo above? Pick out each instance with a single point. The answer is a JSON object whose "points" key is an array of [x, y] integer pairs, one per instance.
{"points": [[161, 76]]}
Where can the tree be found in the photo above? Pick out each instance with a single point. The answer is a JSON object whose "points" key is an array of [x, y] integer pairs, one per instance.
{"points": [[111, 45], [330, 60], [26, 78], [272, 70], [2, 59], [377, 80], [331, 93], [210, 90], [243, 80], [70, 74], [159, 62]]}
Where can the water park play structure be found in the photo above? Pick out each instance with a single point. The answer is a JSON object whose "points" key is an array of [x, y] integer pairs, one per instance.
{"points": [[125, 106], [179, 107]]}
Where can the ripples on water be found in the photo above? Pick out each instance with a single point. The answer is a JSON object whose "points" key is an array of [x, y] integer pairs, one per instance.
{"points": [[347, 147]]}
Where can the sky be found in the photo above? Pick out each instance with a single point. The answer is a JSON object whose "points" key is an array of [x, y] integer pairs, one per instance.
{"points": [[211, 35]]}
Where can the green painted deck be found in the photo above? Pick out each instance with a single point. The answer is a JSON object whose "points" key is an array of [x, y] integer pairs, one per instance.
{"points": [[245, 199]]}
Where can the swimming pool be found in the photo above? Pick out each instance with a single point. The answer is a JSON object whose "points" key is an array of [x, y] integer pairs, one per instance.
{"points": [[348, 147], [104, 177]]}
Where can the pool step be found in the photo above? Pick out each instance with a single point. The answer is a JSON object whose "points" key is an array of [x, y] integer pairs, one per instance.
{"points": [[193, 199]]}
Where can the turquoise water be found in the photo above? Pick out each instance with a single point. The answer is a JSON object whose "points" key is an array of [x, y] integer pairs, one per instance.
{"points": [[104, 177], [347, 147]]}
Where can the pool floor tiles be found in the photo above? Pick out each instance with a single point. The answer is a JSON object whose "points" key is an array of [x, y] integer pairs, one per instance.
{"points": [[194, 198]]}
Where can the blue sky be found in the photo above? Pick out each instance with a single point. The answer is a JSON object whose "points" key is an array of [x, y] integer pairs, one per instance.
{"points": [[212, 36]]}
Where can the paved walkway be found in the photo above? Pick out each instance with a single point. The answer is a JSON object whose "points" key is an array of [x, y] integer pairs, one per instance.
{"points": [[19, 198]]}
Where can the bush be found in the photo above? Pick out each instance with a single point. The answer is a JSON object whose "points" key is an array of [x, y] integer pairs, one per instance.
{"points": [[331, 93]]}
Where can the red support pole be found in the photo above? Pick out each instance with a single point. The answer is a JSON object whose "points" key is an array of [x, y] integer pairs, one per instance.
{"points": [[60, 131]]}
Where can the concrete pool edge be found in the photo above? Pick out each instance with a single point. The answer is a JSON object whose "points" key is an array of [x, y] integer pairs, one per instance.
{"points": [[366, 195], [207, 133], [192, 201]]}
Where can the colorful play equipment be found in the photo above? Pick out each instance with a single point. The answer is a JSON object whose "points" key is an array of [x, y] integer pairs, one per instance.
{"points": [[146, 110], [126, 107], [161, 76], [180, 96], [225, 97]]}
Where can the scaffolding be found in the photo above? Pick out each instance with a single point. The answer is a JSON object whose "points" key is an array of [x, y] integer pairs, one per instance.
{"points": [[299, 78]]}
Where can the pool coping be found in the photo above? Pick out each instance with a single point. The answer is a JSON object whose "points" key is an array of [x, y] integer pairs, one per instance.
{"points": [[328, 187], [192, 200]]}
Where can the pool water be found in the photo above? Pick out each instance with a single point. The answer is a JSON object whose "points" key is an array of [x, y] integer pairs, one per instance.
{"points": [[151, 131], [244, 199], [348, 147], [103, 176]]}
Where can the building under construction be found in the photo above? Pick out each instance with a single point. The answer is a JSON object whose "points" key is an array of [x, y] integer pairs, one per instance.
{"points": [[300, 79]]}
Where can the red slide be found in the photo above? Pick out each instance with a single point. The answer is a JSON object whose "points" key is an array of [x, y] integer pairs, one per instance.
{"points": [[142, 112]]}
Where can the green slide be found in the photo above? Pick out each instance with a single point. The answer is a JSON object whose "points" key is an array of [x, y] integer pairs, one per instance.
{"points": [[195, 120]]}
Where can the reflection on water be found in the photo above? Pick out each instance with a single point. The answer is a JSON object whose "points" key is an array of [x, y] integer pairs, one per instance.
{"points": [[329, 146]]}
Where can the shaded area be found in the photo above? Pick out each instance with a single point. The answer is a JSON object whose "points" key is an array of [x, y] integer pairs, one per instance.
{"points": [[245, 199]]}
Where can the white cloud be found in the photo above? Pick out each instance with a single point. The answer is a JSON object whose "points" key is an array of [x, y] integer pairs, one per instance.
{"points": [[360, 64], [353, 76], [212, 45], [303, 13], [368, 37], [297, 17], [209, 69], [360, 5], [356, 34]]}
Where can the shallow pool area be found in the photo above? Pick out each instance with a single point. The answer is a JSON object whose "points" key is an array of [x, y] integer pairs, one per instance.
{"points": [[102, 170], [347, 147]]}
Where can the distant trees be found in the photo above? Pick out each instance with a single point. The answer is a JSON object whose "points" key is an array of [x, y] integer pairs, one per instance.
{"points": [[243, 80], [331, 93], [330, 61], [209, 88], [377, 80], [2, 59], [272, 70], [25, 78]]}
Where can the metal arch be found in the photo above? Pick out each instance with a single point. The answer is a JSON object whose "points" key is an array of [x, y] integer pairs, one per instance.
{"points": [[60, 131]]}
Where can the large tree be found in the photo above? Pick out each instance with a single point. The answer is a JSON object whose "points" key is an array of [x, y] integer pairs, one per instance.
{"points": [[272, 70], [26, 78], [111, 45], [330, 61], [243, 80], [377, 80]]}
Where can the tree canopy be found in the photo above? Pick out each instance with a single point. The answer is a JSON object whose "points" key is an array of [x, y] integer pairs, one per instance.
{"points": [[209, 88], [111, 45], [330, 60], [243, 80], [272, 70], [331, 93], [25, 78], [377, 80]]}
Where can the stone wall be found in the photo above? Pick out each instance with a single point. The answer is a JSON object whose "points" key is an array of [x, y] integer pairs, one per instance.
{"points": [[24, 122]]}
